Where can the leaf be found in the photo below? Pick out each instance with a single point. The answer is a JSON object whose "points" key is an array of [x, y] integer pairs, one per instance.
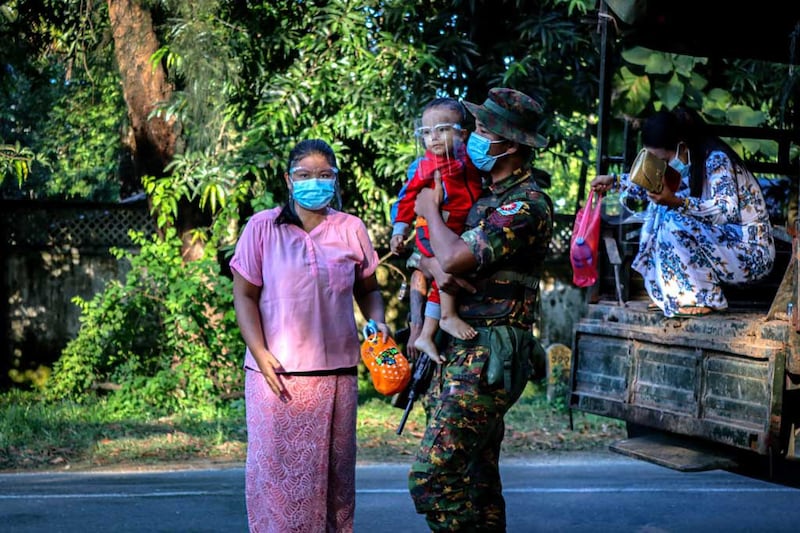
{"points": [[719, 98], [637, 55], [742, 115], [670, 93], [638, 92], [685, 65], [659, 63]]}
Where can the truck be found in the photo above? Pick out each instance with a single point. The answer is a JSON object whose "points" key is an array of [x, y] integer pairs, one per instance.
{"points": [[717, 391]]}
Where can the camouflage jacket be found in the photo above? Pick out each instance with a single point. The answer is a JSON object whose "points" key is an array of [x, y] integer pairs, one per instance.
{"points": [[508, 230]]}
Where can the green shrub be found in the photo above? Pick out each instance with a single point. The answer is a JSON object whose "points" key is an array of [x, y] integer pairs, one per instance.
{"points": [[165, 341]]}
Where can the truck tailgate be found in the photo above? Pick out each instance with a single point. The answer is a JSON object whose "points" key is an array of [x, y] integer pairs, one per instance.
{"points": [[717, 377]]}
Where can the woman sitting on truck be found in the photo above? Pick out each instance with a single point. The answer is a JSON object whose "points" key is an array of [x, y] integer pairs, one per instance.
{"points": [[713, 229]]}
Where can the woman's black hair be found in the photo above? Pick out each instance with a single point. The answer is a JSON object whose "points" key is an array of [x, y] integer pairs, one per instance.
{"points": [[665, 129], [303, 149]]}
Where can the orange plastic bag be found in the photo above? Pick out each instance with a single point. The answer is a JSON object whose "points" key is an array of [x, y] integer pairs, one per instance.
{"points": [[585, 241], [388, 367]]}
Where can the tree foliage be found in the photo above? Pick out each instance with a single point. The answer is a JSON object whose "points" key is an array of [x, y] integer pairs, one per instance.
{"points": [[164, 340], [740, 92], [247, 81], [59, 101], [251, 79]]}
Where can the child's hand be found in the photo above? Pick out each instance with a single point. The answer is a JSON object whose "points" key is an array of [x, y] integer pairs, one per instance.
{"points": [[397, 244]]}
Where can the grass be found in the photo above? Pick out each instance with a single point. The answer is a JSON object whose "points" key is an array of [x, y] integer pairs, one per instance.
{"points": [[533, 425], [39, 436]]}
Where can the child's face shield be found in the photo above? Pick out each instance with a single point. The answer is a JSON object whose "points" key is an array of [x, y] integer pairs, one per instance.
{"points": [[437, 130], [443, 139]]}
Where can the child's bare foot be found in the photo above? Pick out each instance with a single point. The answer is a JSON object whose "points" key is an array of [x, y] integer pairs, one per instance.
{"points": [[426, 345], [457, 328]]}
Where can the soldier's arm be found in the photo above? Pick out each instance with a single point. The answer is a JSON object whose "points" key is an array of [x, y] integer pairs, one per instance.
{"points": [[453, 255], [519, 224]]}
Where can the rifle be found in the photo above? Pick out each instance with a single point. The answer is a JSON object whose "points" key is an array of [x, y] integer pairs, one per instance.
{"points": [[420, 381]]}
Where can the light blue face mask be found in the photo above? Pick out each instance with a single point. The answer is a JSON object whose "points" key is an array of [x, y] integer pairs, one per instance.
{"points": [[680, 166], [478, 150], [314, 193]]}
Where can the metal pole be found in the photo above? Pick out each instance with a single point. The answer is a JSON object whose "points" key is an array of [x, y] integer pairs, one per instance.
{"points": [[604, 91]]}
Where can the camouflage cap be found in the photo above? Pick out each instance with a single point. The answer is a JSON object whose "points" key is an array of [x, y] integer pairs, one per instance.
{"points": [[510, 114]]}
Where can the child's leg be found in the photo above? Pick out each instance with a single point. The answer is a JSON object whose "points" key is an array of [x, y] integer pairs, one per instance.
{"points": [[451, 322], [425, 343]]}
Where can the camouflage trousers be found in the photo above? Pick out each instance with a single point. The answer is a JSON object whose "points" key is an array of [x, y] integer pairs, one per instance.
{"points": [[455, 479]]}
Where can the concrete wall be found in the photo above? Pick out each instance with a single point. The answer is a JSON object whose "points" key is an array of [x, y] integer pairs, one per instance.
{"points": [[562, 306]]}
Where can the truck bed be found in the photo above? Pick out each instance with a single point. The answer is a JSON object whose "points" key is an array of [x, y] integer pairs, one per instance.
{"points": [[718, 377]]}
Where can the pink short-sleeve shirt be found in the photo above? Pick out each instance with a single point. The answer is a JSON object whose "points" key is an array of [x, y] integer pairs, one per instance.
{"points": [[306, 282]]}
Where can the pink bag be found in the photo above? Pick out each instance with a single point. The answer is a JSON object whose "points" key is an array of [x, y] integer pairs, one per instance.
{"points": [[586, 241]]}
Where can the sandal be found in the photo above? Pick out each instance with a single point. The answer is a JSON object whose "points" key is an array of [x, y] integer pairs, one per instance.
{"points": [[692, 311], [652, 306]]}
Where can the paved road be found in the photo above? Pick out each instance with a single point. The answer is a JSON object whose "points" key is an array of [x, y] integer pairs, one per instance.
{"points": [[573, 493]]}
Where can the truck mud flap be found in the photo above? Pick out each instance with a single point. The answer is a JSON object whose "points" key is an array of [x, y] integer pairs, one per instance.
{"points": [[675, 452]]}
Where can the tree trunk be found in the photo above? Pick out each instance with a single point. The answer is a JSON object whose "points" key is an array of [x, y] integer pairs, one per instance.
{"points": [[143, 86], [153, 140]]}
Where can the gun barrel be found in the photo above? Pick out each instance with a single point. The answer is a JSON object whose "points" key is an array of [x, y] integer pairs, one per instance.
{"points": [[406, 411]]}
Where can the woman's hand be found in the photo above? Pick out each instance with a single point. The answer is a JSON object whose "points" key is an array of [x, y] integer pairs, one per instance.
{"points": [[665, 197], [245, 300], [603, 183], [386, 332], [267, 363]]}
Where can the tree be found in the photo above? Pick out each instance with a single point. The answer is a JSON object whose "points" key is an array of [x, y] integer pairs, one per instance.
{"points": [[144, 86], [216, 91], [210, 95], [217, 66]]}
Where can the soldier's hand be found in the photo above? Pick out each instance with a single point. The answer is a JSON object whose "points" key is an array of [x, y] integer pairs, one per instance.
{"points": [[427, 203], [452, 284], [415, 328]]}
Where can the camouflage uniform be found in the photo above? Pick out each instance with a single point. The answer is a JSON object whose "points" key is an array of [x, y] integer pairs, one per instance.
{"points": [[455, 480]]}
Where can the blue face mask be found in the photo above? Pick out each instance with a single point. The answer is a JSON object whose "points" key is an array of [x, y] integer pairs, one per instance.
{"points": [[680, 166], [314, 193], [478, 150]]}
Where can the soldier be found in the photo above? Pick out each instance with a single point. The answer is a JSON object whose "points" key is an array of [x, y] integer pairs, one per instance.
{"points": [[455, 479]]}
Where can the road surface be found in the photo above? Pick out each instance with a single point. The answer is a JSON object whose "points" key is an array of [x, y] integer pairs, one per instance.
{"points": [[570, 493]]}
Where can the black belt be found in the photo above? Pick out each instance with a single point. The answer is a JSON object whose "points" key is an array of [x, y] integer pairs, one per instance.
{"points": [[347, 371]]}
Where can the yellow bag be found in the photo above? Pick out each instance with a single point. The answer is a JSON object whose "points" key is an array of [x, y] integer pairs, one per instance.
{"points": [[653, 173], [388, 367]]}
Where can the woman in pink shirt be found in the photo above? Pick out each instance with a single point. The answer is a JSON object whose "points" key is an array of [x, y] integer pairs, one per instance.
{"points": [[297, 269]]}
